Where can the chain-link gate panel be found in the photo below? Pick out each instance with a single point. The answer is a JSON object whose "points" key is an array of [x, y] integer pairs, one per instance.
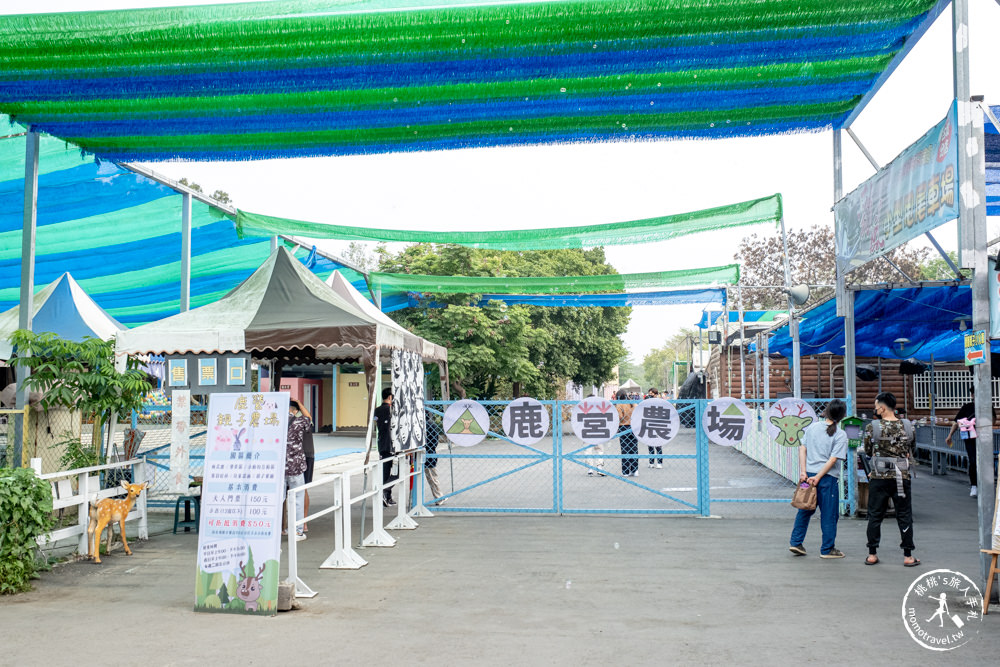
{"points": [[562, 474], [624, 476], [496, 475]]}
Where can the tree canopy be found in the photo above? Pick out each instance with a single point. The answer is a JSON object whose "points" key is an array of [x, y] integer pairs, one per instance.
{"points": [[812, 260], [499, 350]]}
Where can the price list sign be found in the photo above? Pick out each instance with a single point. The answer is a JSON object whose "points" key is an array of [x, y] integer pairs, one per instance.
{"points": [[242, 500]]}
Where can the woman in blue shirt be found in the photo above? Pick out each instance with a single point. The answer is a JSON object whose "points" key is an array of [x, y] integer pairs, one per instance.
{"points": [[823, 447]]}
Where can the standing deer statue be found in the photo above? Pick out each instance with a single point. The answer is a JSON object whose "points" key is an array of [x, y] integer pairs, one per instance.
{"points": [[249, 588], [111, 510]]}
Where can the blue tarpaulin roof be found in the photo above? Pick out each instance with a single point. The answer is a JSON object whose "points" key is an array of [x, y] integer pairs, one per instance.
{"points": [[119, 234], [924, 315], [412, 299]]}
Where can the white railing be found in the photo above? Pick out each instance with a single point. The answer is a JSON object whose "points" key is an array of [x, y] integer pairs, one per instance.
{"points": [[951, 389], [88, 490], [344, 557]]}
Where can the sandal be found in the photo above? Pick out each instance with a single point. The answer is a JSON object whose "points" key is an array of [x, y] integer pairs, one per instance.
{"points": [[915, 562], [869, 561]]}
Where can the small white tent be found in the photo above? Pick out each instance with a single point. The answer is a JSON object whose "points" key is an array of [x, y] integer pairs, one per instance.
{"points": [[62, 308]]}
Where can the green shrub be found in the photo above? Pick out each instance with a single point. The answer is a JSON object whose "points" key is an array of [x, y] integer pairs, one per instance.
{"points": [[25, 512]]}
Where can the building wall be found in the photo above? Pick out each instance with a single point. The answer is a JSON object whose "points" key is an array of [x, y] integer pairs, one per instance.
{"points": [[822, 377], [352, 400]]}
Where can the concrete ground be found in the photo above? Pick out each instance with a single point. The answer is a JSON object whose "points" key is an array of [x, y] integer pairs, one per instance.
{"points": [[532, 590]]}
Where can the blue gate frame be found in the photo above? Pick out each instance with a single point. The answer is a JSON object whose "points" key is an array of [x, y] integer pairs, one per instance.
{"points": [[558, 458]]}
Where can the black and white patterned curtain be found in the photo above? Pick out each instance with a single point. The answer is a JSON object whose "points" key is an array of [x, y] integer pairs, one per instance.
{"points": [[408, 400]]}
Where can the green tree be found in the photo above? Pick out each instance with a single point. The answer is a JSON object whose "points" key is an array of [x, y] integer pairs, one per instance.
{"points": [[935, 268], [80, 376], [499, 350], [627, 368], [659, 363], [220, 196]]}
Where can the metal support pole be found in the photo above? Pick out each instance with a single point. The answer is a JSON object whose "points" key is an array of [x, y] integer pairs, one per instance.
{"points": [[850, 371], [871, 160], [838, 194], [185, 252], [729, 356], [274, 243], [981, 322], [793, 323], [960, 65], [767, 370], [26, 310], [743, 363]]}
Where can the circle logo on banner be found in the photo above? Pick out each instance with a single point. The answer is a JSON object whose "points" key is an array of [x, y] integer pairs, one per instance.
{"points": [[525, 421], [595, 420], [727, 421], [787, 421], [655, 422], [466, 423]]}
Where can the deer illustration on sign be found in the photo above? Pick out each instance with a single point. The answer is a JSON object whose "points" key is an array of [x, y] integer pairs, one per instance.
{"points": [[111, 510], [791, 427], [249, 589]]}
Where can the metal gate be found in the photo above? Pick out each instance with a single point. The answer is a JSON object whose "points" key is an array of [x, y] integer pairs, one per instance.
{"points": [[562, 475]]}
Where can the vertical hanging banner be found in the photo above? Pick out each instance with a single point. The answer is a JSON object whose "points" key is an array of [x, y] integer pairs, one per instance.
{"points": [[407, 400], [180, 440], [242, 498], [910, 196]]}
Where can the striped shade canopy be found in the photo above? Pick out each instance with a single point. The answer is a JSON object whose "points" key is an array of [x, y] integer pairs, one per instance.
{"points": [[318, 77]]}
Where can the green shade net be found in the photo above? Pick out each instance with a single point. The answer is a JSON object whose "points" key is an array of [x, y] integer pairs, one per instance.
{"points": [[328, 77], [767, 209], [404, 282]]}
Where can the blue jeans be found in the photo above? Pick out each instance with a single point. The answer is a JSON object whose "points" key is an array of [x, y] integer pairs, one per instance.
{"points": [[828, 505]]}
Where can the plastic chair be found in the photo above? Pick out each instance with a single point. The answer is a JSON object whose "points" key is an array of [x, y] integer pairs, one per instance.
{"points": [[188, 523]]}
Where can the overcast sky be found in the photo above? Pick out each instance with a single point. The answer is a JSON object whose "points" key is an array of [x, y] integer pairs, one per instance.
{"points": [[498, 188]]}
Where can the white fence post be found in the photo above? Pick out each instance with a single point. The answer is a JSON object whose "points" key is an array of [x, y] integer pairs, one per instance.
{"points": [[403, 521], [344, 557], [302, 590], [83, 520], [378, 537], [139, 476], [419, 509]]}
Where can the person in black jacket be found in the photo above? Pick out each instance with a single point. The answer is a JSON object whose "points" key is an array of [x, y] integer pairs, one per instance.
{"points": [[383, 422]]}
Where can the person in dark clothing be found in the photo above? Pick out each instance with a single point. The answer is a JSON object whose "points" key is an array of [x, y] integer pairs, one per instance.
{"points": [[383, 422], [966, 421], [889, 441]]}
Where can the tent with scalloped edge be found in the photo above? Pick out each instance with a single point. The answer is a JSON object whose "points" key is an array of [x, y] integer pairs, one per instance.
{"points": [[282, 312], [62, 308]]}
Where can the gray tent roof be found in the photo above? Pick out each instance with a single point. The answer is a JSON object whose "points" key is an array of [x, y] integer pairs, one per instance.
{"points": [[282, 311]]}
